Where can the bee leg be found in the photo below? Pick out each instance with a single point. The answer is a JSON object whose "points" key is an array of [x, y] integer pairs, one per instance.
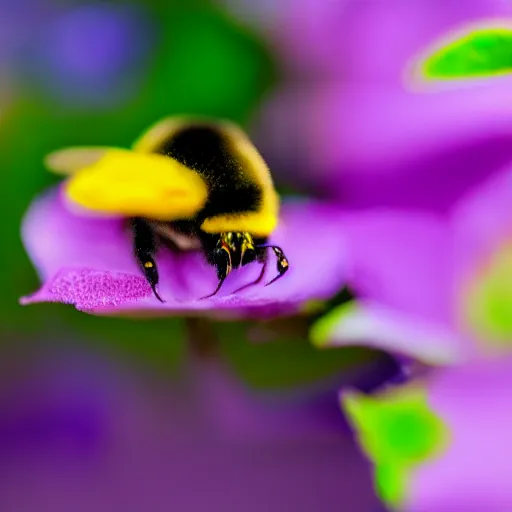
{"points": [[216, 290], [282, 263], [144, 245], [262, 258], [221, 258]]}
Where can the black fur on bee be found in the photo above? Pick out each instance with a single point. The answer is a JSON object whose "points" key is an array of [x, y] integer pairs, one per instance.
{"points": [[204, 148]]}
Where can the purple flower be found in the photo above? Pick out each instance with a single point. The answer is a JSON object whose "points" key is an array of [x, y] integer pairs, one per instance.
{"points": [[49, 402], [196, 442], [441, 444], [88, 260], [403, 280], [354, 124], [370, 40], [434, 286], [435, 290]]}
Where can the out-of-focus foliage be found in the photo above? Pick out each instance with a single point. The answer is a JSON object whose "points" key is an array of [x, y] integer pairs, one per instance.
{"points": [[96, 73], [287, 359]]}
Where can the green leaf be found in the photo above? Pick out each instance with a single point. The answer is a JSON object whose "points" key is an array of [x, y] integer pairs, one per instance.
{"points": [[391, 484], [287, 361], [398, 431], [481, 52]]}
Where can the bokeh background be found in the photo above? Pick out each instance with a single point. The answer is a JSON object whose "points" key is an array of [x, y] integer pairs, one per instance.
{"points": [[118, 414]]}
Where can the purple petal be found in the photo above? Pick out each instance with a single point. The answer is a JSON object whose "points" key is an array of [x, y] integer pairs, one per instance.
{"points": [[358, 134], [243, 414], [49, 400], [403, 278], [159, 444], [481, 222], [371, 145], [402, 260], [89, 262], [90, 289], [481, 226], [371, 40], [373, 325], [474, 473]]}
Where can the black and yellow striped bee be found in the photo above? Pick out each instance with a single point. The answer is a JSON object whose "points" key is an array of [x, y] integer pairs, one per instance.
{"points": [[189, 183]]}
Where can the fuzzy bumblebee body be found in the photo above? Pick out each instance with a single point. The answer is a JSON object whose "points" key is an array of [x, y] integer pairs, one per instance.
{"points": [[192, 183], [241, 194]]}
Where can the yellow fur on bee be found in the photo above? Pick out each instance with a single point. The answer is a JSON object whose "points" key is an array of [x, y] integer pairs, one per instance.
{"points": [[135, 184]]}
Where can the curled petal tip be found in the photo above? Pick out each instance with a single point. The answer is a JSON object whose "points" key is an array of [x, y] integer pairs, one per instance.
{"points": [[24, 301]]}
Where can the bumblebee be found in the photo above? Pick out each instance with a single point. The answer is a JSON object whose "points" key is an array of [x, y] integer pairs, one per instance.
{"points": [[187, 183]]}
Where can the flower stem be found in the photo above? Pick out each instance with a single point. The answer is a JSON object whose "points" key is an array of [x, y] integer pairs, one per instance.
{"points": [[202, 340]]}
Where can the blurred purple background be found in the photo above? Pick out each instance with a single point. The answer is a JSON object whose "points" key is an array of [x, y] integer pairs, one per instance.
{"points": [[104, 414]]}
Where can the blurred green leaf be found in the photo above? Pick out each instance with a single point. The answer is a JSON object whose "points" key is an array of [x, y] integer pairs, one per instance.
{"points": [[474, 52], [204, 63], [158, 343], [286, 362]]}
